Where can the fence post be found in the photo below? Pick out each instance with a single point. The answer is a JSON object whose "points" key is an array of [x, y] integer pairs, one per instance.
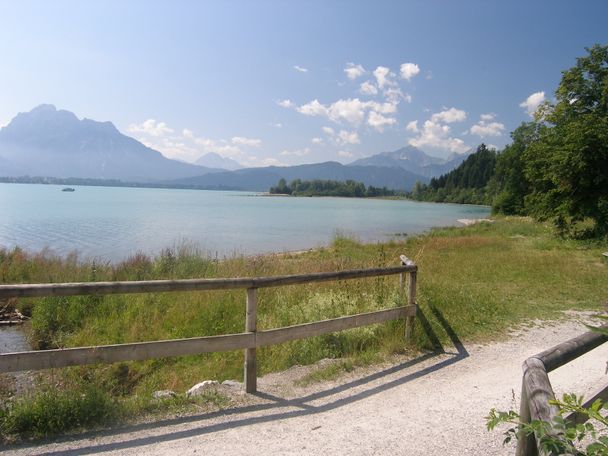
{"points": [[411, 301], [250, 353], [411, 296], [526, 444]]}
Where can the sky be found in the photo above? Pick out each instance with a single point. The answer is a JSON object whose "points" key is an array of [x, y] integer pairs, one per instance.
{"points": [[284, 83]]}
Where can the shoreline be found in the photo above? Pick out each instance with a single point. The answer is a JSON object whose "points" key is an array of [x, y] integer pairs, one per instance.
{"points": [[208, 253]]}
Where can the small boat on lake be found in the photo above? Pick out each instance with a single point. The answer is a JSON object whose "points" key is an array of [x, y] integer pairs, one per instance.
{"points": [[68, 189]]}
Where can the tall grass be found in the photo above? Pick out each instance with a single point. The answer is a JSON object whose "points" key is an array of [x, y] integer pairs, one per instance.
{"points": [[482, 280]]}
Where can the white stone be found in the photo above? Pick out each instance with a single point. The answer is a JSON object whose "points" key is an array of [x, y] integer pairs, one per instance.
{"points": [[201, 387], [162, 394]]}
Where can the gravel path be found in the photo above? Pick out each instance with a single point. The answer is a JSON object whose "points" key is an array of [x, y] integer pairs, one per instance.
{"points": [[434, 404]]}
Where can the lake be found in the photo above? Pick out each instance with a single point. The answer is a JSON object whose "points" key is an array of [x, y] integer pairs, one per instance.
{"points": [[111, 223]]}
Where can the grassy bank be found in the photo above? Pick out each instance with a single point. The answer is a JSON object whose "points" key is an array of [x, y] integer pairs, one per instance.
{"points": [[481, 279]]}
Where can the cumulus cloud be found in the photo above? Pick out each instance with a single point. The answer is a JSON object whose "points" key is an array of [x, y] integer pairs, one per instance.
{"points": [[412, 126], [409, 70], [317, 140], [285, 103], [395, 95], [449, 116], [354, 71], [300, 69], [436, 134], [351, 110], [368, 88], [328, 131], [487, 126], [532, 103], [150, 127], [378, 121], [241, 141], [347, 137], [383, 77]]}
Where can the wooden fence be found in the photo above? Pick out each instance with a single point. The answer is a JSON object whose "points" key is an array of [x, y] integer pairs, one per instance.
{"points": [[250, 340], [537, 392]]}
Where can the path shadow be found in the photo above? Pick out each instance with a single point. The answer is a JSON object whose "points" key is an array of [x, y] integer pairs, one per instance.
{"points": [[302, 405]]}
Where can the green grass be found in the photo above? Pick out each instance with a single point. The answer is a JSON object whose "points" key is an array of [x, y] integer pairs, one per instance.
{"points": [[482, 280]]}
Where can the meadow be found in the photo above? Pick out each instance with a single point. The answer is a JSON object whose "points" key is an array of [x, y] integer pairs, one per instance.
{"points": [[482, 280]]}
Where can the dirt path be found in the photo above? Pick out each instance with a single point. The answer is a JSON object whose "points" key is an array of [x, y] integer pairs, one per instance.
{"points": [[431, 405]]}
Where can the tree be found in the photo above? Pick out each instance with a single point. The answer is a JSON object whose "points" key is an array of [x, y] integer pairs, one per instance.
{"points": [[509, 183], [567, 166]]}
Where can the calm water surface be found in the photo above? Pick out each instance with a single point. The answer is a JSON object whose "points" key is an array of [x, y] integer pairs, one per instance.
{"points": [[112, 223]]}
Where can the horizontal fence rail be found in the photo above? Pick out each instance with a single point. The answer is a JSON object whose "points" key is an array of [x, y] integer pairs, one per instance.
{"points": [[249, 341], [157, 286], [537, 392]]}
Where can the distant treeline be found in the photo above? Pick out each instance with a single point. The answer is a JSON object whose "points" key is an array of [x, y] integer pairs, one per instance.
{"points": [[106, 183], [556, 167], [319, 187]]}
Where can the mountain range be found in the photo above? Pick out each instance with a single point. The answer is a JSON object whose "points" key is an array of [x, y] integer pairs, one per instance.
{"points": [[55, 143]]}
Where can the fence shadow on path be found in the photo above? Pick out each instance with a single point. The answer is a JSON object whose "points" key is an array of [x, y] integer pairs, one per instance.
{"points": [[302, 405]]}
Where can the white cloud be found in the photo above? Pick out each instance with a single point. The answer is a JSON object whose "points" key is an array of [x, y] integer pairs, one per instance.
{"points": [[150, 127], [487, 127], [313, 108], [300, 69], [285, 103], [409, 70], [378, 121], [532, 103], [187, 133], [241, 141], [382, 108], [351, 110], [346, 137], [368, 88], [328, 131], [437, 136], [354, 71], [295, 153], [395, 95], [449, 116], [383, 76], [345, 154], [317, 140]]}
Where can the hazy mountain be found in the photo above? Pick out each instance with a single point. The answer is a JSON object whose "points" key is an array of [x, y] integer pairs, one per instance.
{"points": [[261, 179], [213, 160], [414, 160], [51, 142]]}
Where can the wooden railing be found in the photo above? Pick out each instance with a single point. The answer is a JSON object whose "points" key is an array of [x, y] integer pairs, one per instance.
{"points": [[537, 392], [250, 340]]}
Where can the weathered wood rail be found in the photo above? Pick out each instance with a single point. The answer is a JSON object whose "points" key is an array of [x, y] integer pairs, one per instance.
{"points": [[248, 341], [537, 392]]}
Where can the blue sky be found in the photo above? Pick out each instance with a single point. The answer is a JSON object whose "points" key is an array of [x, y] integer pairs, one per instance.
{"points": [[278, 82]]}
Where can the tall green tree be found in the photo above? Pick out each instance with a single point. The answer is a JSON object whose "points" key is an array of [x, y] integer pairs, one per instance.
{"points": [[567, 166], [509, 182]]}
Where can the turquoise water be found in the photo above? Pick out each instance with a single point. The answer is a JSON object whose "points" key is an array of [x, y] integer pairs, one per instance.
{"points": [[112, 223]]}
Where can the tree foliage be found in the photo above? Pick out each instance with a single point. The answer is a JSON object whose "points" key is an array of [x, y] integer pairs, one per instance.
{"points": [[465, 184], [318, 187], [567, 165]]}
